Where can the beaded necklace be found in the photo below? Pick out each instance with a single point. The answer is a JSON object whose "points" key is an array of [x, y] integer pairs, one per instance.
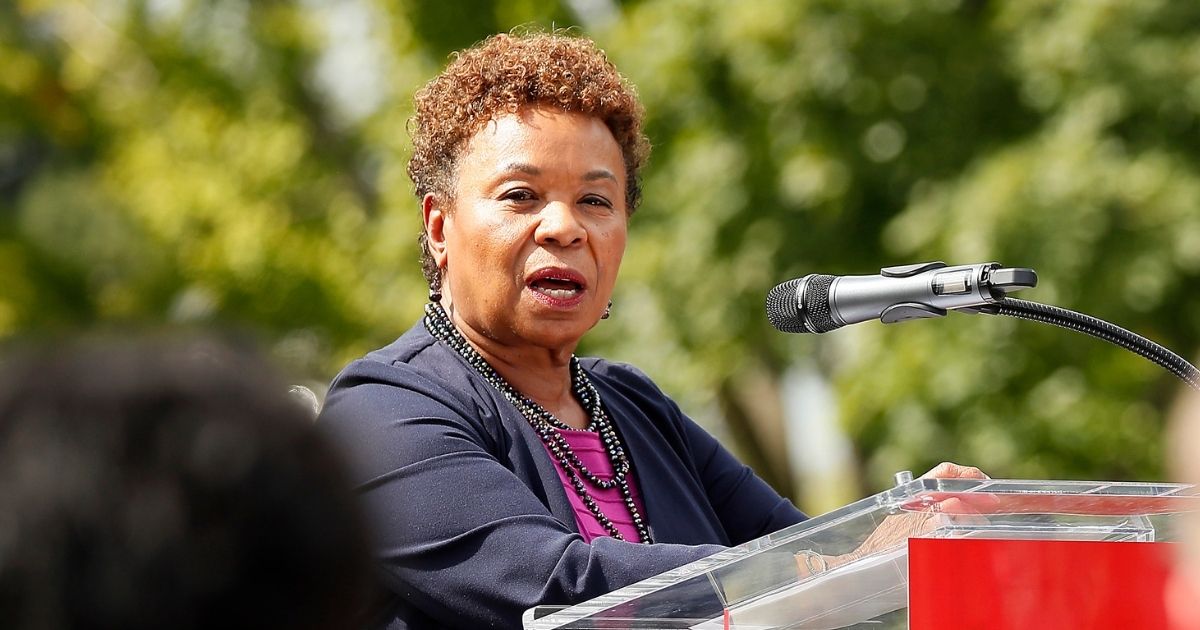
{"points": [[546, 425]]}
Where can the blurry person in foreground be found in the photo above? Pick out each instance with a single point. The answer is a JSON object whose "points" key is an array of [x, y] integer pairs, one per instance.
{"points": [[168, 484], [1183, 451]]}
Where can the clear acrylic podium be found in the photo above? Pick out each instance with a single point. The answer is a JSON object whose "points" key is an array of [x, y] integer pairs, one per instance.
{"points": [[927, 554]]}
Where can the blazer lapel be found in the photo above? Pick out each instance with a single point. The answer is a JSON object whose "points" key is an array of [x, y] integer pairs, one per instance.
{"points": [[677, 507], [532, 463]]}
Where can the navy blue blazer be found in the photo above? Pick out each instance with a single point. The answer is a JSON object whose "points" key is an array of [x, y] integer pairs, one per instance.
{"points": [[471, 520]]}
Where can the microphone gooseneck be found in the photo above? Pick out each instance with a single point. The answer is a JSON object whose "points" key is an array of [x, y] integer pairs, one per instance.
{"points": [[1100, 329]]}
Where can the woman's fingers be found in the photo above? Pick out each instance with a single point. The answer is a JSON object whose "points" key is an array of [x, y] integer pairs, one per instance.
{"points": [[950, 470], [958, 512]]}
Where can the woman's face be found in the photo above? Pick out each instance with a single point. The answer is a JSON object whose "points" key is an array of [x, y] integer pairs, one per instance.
{"points": [[531, 247]]}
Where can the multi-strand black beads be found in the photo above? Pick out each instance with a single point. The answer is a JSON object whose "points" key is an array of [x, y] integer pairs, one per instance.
{"points": [[546, 425]]}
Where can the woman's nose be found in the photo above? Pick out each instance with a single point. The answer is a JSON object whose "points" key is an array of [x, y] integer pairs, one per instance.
{"points": [[559, 224]]}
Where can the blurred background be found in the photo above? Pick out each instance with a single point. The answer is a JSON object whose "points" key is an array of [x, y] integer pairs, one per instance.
{"points": [[240, 163]]}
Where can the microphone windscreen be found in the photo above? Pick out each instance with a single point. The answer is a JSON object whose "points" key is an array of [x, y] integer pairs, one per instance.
{"points": [[815, 303], [783, 307]]}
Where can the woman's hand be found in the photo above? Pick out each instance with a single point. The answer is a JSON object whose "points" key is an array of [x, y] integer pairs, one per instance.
{"points": [[896, 529]]}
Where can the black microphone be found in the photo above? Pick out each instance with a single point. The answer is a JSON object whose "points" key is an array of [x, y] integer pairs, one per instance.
{"points": [[820, 303]]}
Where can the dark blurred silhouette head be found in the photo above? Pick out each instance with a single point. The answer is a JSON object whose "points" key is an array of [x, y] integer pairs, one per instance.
{"points": [[168, 484]]}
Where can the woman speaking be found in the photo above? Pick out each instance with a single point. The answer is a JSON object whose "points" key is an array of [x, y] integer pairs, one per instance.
{"points": [[499, 470]]}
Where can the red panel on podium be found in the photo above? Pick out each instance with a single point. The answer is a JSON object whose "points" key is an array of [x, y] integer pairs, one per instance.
{"points": [[987, 584], [960, 554]]}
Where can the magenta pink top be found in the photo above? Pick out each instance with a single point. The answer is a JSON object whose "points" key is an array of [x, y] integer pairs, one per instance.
{"points": [[590, 450]]}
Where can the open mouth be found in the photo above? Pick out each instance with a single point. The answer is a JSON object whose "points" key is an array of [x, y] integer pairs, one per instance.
{"points": [[557, 288], [557, 284]]}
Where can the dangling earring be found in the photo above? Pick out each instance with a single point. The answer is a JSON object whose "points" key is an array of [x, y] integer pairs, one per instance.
{"points": [[435, 289], [607, 311]]}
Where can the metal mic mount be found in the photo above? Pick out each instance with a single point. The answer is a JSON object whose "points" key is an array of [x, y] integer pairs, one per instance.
{"points": [[993, 284]]}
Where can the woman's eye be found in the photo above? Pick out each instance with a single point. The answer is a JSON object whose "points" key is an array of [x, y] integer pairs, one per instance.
{"points": [[595, 200], [519, 194]]}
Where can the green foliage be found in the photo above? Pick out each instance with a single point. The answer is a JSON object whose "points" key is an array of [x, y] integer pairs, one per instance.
{"points": [[238, 162], [839, 137]]}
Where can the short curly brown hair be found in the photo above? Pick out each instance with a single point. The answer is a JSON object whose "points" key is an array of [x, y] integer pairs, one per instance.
{"points": [[503, 74]]}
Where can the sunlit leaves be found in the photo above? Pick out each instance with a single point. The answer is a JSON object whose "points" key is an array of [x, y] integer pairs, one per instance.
{"points": [[236, 162]]}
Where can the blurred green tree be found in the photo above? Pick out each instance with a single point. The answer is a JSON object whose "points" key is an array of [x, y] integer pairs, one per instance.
{"points": [[239, 162], [844, 136]]}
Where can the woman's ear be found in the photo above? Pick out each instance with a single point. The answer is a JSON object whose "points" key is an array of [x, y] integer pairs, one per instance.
{"points": [[433, 213]]}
